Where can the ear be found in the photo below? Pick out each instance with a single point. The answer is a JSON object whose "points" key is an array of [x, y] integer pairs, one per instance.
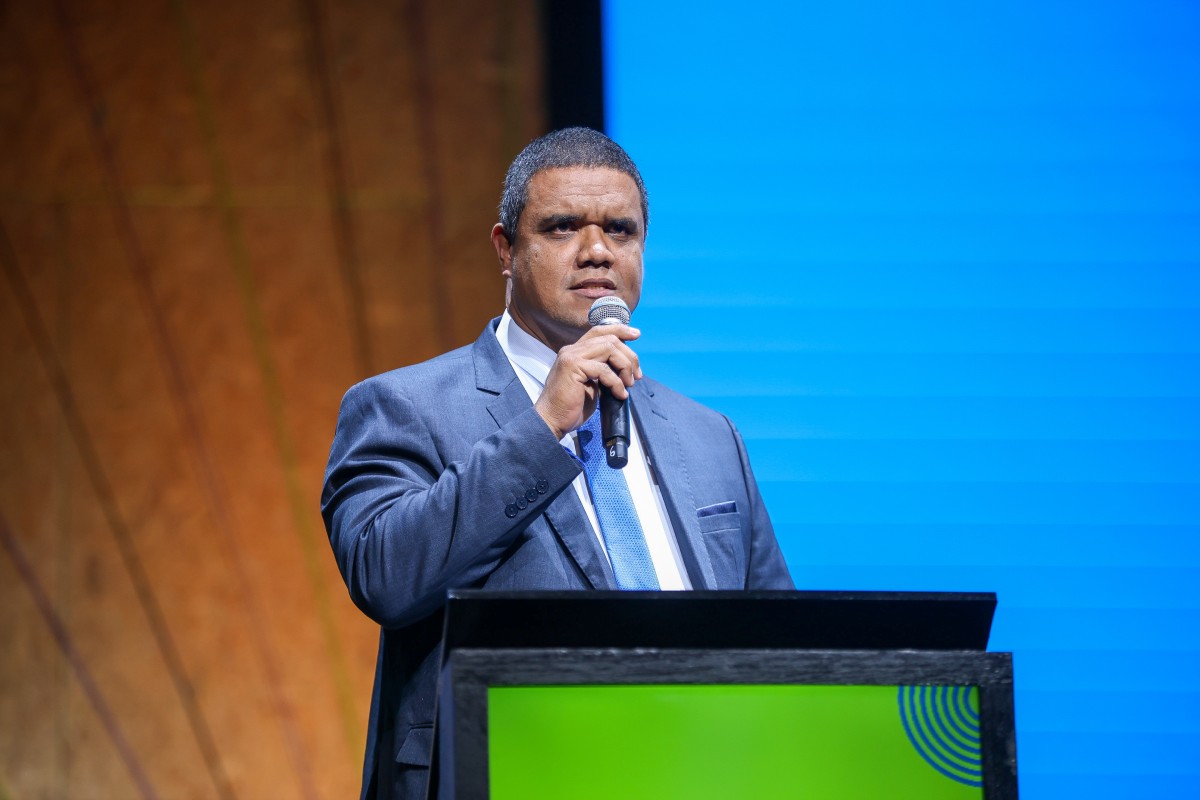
{"points": [[503, 246]]}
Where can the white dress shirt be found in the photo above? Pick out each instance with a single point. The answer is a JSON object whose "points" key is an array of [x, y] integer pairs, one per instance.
{"points": [[531, 360]]}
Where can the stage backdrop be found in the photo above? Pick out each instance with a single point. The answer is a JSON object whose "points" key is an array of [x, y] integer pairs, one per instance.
{"points": [[940, 261], [214, 218]]}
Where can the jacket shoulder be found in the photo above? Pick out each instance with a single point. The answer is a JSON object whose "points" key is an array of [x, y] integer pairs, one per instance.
{"points": [[438, 373], [678, 403]]}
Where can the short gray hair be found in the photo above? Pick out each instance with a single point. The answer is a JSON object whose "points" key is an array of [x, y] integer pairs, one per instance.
{"points": [[569, 147]]}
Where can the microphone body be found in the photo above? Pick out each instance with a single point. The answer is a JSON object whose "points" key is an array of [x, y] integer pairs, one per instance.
{"points": [[614, 412]]}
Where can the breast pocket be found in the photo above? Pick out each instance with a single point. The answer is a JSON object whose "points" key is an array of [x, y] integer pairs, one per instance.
{"points": [[726, 549]]}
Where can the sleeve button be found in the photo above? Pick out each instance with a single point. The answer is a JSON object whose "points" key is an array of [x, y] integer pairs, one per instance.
{"points": [[510, 510], [531, 495], [542, 486], [522, 503]]}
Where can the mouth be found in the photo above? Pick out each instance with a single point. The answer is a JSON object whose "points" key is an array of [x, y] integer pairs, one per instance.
{"points": [[593, 288]]}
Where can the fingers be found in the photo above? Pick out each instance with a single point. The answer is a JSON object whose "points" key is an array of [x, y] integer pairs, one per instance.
{"points": [[607, 343], [603, 357], [600, 358], [616, 379]]}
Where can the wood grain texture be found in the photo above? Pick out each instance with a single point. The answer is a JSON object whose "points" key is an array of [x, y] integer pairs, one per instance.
{"points": [[216, 218]]}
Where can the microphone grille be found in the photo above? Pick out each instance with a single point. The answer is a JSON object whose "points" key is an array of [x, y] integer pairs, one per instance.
{"points": [[608, 310]]}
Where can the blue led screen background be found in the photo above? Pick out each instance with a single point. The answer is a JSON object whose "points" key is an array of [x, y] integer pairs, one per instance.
{"points": [[940, 262]]}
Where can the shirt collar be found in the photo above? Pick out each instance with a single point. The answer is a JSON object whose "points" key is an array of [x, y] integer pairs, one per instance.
{"points": [[523, 350]]}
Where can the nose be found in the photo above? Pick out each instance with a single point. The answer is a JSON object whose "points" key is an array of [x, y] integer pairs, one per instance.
{"points": [[593, 248]]}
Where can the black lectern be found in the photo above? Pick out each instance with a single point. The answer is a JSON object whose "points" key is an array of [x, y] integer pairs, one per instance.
{"points": [[723, 694]]}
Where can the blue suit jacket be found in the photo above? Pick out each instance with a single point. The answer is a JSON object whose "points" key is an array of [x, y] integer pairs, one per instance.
{"points": [[425, 464]]}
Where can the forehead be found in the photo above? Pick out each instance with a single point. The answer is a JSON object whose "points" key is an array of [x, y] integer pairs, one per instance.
{"points": [[583, 189]]}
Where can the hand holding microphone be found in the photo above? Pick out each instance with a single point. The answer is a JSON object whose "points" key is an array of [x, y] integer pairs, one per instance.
{"points": [[599, 363]]}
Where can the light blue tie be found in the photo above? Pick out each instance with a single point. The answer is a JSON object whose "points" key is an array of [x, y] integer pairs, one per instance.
{"points": [[614, 509]]}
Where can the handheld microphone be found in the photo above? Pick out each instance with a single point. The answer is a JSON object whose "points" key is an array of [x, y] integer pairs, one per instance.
{"points": [[614, 413]]}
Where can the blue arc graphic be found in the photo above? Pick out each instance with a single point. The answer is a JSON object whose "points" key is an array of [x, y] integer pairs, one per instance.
{"points": [[942, 724]]}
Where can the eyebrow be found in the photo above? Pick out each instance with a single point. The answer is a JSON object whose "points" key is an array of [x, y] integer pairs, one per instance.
{"points": [[555, 220]]}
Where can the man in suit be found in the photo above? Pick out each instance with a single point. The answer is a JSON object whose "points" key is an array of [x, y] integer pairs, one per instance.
{"points": [[468, 470]]}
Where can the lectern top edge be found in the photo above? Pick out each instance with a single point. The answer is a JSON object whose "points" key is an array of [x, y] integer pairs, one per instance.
{"points": [[858, 620], [792, 595]]}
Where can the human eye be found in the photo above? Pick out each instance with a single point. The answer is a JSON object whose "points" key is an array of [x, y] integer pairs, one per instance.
{"points": [[621, 227], [559, 226]]}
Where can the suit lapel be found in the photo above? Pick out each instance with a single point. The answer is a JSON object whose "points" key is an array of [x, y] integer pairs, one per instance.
{"points": [[661, 442], [570, 523], [574, 530]]}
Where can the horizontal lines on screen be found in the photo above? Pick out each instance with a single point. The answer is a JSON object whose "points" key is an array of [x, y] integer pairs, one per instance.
{"points": [[764, 374], [978, 461], [992, 549], [1005, 502], [805, 329], [917, 417], [711, 282]]}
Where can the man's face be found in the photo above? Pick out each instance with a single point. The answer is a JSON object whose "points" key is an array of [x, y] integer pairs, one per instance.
{"points": [[580, 236]]}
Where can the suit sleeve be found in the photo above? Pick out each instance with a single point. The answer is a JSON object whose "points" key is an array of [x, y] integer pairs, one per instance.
{"points": [[767, 568], [405, 526]]}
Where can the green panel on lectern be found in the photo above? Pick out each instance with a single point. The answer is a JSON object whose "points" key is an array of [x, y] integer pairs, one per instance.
{"points": [[762, 741]]}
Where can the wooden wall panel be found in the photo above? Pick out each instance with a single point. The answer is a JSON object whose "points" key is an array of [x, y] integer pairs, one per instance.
{"points": [[214, 218]]}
